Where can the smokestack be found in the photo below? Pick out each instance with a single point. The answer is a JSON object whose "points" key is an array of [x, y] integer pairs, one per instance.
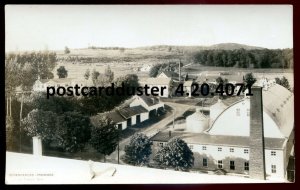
{"points": [[257, 145], [37, 146]]}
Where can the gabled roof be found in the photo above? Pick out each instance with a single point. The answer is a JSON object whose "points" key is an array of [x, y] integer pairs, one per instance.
{"points": [[115, 116], [123, 114], [149, 100], [131, 111]]}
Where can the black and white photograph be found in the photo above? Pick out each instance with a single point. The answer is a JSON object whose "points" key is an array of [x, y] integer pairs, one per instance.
{"points": [[149, 94]]}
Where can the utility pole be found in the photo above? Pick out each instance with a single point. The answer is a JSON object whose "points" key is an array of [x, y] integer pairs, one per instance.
{"points": [[118, 146], [20, 128]]}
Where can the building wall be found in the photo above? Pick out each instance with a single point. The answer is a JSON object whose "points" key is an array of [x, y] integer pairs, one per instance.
{"points": [[165, 91], [144, 116], [238, 156], [124, 125], [277, 160], [133, 120], [224, 124]]}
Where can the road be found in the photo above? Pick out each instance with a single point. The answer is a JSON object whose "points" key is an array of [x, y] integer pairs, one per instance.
{"points": [[178, 110]]}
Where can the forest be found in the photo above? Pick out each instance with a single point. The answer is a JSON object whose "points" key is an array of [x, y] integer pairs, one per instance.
{"points": [[242, 58]]}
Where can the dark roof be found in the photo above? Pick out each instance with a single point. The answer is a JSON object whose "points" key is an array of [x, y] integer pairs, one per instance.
{"points": [[122, 114], [149, 100], [170, 74], [204, 138], [115, 116], [131, 111]]}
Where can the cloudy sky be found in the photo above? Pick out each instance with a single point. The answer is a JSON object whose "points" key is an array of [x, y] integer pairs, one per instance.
{"points": [[32, 27]]}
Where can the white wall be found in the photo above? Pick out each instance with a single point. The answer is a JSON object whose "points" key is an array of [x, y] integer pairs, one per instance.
{"points": [[229, 123], [144, 116]]}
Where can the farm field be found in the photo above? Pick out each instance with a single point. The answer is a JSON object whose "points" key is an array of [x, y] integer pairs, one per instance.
{"points": [[131, 60]]}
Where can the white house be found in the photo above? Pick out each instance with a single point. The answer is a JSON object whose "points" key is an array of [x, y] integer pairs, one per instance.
{"points": [[151, 104], [146, 68], [41, 85], [125, 117], [161, 83]]}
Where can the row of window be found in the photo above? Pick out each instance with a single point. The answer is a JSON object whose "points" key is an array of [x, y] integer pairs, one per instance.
{"points": [[238, 112], [246, 151], [232, 165]]}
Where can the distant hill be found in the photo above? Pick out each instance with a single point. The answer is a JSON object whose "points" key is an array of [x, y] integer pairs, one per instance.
{"points": [[232, 46], [224, 46]]}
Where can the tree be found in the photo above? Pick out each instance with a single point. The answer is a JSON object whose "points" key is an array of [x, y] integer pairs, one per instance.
{"points": [[95, 75], [109, 75], [220, 80], [138, 150], [175, 154], [62, 72], [104, 136], [24, 69], [87, 74], [73, 131], [40, 123], [249, 79], [67, 50], [283, 82]]}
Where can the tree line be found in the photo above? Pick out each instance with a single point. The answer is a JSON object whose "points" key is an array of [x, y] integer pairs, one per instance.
{"points": [[256, 58]]}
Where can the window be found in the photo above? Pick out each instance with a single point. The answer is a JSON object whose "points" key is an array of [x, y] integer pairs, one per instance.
{"points": [[232, 167], [219, 149], [246, 166], [238, 111], [161, 144], [248, 112], [191, 147], [231, 150], [246, 151], [203, 147], [220, 164], [273, 153], [273, 168], [204, 162]]}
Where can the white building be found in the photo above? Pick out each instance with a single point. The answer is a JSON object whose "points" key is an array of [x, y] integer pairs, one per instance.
{"points": [[126, 117], [163, 85], [41, 85], [230, 142], [152, 104], [146, 68]]}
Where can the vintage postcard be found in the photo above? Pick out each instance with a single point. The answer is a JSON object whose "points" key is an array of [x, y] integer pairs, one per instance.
{"points": [[149, 94]]}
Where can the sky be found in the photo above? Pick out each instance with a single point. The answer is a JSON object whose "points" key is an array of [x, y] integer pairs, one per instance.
{"points": [[52, 27]]}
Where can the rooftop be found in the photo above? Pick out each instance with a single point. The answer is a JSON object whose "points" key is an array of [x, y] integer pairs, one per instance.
{"points": [[131, 111], [207, 139]]}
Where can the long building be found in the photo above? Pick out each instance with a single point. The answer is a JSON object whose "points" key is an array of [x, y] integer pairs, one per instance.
{"points": [[253, 136]]}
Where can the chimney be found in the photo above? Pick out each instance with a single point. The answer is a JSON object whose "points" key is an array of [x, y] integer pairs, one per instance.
{"points": [[257, 146], [37, 146]]}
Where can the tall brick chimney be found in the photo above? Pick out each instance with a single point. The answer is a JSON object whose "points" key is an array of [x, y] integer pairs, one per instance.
{"points": [[257, 144]]}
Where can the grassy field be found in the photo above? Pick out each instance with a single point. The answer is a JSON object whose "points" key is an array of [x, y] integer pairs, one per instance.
{"points": [[130, 60]]}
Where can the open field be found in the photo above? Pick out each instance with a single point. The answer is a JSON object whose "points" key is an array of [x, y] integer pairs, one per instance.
{"points": [[131, 60]]}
